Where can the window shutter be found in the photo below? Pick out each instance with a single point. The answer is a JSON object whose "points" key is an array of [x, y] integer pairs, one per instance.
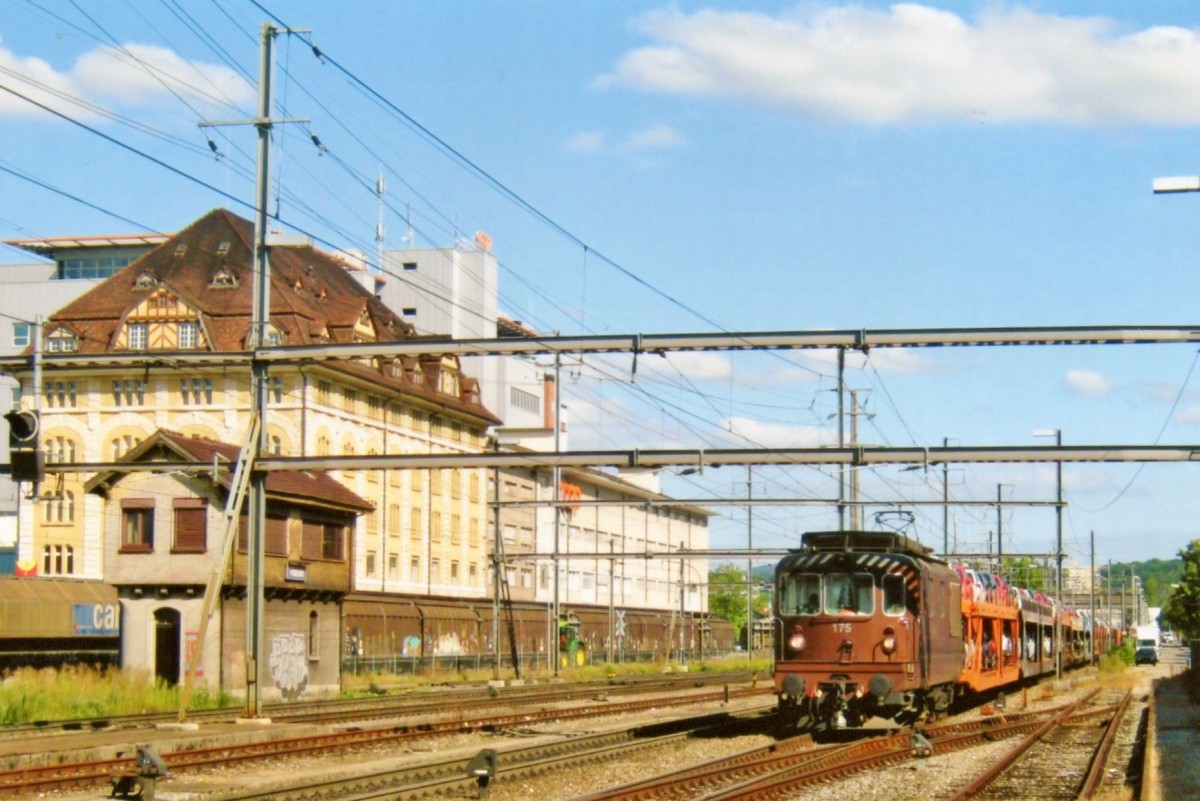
{"points": [[191, 524], [277, 536], [310, 547]]}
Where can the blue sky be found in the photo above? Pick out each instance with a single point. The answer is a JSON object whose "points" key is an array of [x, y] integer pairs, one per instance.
{"points": [[762, 166]]}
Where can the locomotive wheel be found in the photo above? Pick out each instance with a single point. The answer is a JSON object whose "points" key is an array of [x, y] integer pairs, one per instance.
{"points": [[788, 713]]}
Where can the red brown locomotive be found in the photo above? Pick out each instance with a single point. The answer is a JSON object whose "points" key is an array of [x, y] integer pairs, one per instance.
{"points": [[870, 624]]}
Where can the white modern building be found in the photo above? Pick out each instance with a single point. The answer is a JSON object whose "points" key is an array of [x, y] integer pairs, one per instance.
{"points": [[453, 292]]}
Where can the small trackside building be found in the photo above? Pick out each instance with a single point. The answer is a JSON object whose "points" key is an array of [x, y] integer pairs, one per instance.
{"points": [[162, 532]]}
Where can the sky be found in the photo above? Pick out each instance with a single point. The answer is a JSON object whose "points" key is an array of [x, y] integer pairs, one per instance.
{"points": [[653, 167]]}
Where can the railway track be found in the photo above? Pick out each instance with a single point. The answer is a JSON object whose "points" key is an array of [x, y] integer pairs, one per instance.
{"points": [[24, 781], [429, 779], [779, 771], [385, 706], [1065, 758], [783, 772]]}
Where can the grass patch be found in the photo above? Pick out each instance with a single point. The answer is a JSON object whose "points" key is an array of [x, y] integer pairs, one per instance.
{"points": [[29, 695]]}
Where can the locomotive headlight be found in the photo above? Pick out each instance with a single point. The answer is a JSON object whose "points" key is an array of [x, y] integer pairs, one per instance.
{"points": [[889, 641], [796, 641]]}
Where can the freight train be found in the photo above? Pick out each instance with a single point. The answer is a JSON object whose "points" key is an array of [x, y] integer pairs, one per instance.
{"points": [[390, 634], [57, 622], [871, 624]]}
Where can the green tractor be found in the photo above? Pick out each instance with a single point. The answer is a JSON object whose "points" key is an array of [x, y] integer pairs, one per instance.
{"points": [[572, 652]]}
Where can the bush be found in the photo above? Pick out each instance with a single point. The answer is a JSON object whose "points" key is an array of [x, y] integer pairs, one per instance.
{"points": [[1118, 658]]}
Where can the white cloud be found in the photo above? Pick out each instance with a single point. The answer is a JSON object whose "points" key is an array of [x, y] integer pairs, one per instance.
{"points": [[587, 142], [697, 365], [137, 75], [33, 78], [1085, 382], [1188, 416], [655, 137], [658, 137], [916, 62], [904, 361], [778, 435]]}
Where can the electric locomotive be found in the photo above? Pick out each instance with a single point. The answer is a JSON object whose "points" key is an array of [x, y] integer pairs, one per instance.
{"points": [[868, 624]]}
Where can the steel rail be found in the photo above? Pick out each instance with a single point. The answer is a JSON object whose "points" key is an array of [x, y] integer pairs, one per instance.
{"points": [[409, 703], [1006, 761], [777, 769], [30, 779], [431, 779], [1095, 774], [947, 736]]}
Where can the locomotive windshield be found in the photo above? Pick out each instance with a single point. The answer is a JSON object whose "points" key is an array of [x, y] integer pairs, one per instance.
{"points": [[849, 593], [893, 594], [799, 594], [837, 594]]}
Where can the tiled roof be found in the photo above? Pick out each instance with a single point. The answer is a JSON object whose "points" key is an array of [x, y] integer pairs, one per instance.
{"points": [[313, 299], [311, 293], [304, 486]]}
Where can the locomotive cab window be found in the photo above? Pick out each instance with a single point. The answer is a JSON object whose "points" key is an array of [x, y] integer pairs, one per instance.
{"points": [[893, 594], [800, 594], [849, 594]]}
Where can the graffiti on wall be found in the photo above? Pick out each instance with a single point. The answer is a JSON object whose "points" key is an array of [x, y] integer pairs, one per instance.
{"points": [[288, 663], [448, 643]]}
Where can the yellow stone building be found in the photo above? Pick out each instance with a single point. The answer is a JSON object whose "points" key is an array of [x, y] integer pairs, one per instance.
{"points": [[193, 295]]}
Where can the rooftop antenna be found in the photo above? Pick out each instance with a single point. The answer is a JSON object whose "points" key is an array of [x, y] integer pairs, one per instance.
{"points": [[408, 229]]}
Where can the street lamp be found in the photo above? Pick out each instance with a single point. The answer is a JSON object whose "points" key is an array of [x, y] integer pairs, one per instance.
{"points": [[1058, 551]]}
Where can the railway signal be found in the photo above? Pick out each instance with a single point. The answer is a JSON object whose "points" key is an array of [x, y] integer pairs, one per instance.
{"points": [[28, 463]]}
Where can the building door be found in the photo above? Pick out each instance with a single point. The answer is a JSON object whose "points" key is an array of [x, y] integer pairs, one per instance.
{"points": [[166, 645]]}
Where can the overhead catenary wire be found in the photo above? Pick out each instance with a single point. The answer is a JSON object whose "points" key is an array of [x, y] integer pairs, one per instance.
{"points": [[586, 251]]}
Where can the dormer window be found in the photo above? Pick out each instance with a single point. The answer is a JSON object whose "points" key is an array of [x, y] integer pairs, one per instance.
{"points": [[61, 341], [146, 281], [181, 248], [272, 335], [223, 279], [223, 249], [448, 382]]}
